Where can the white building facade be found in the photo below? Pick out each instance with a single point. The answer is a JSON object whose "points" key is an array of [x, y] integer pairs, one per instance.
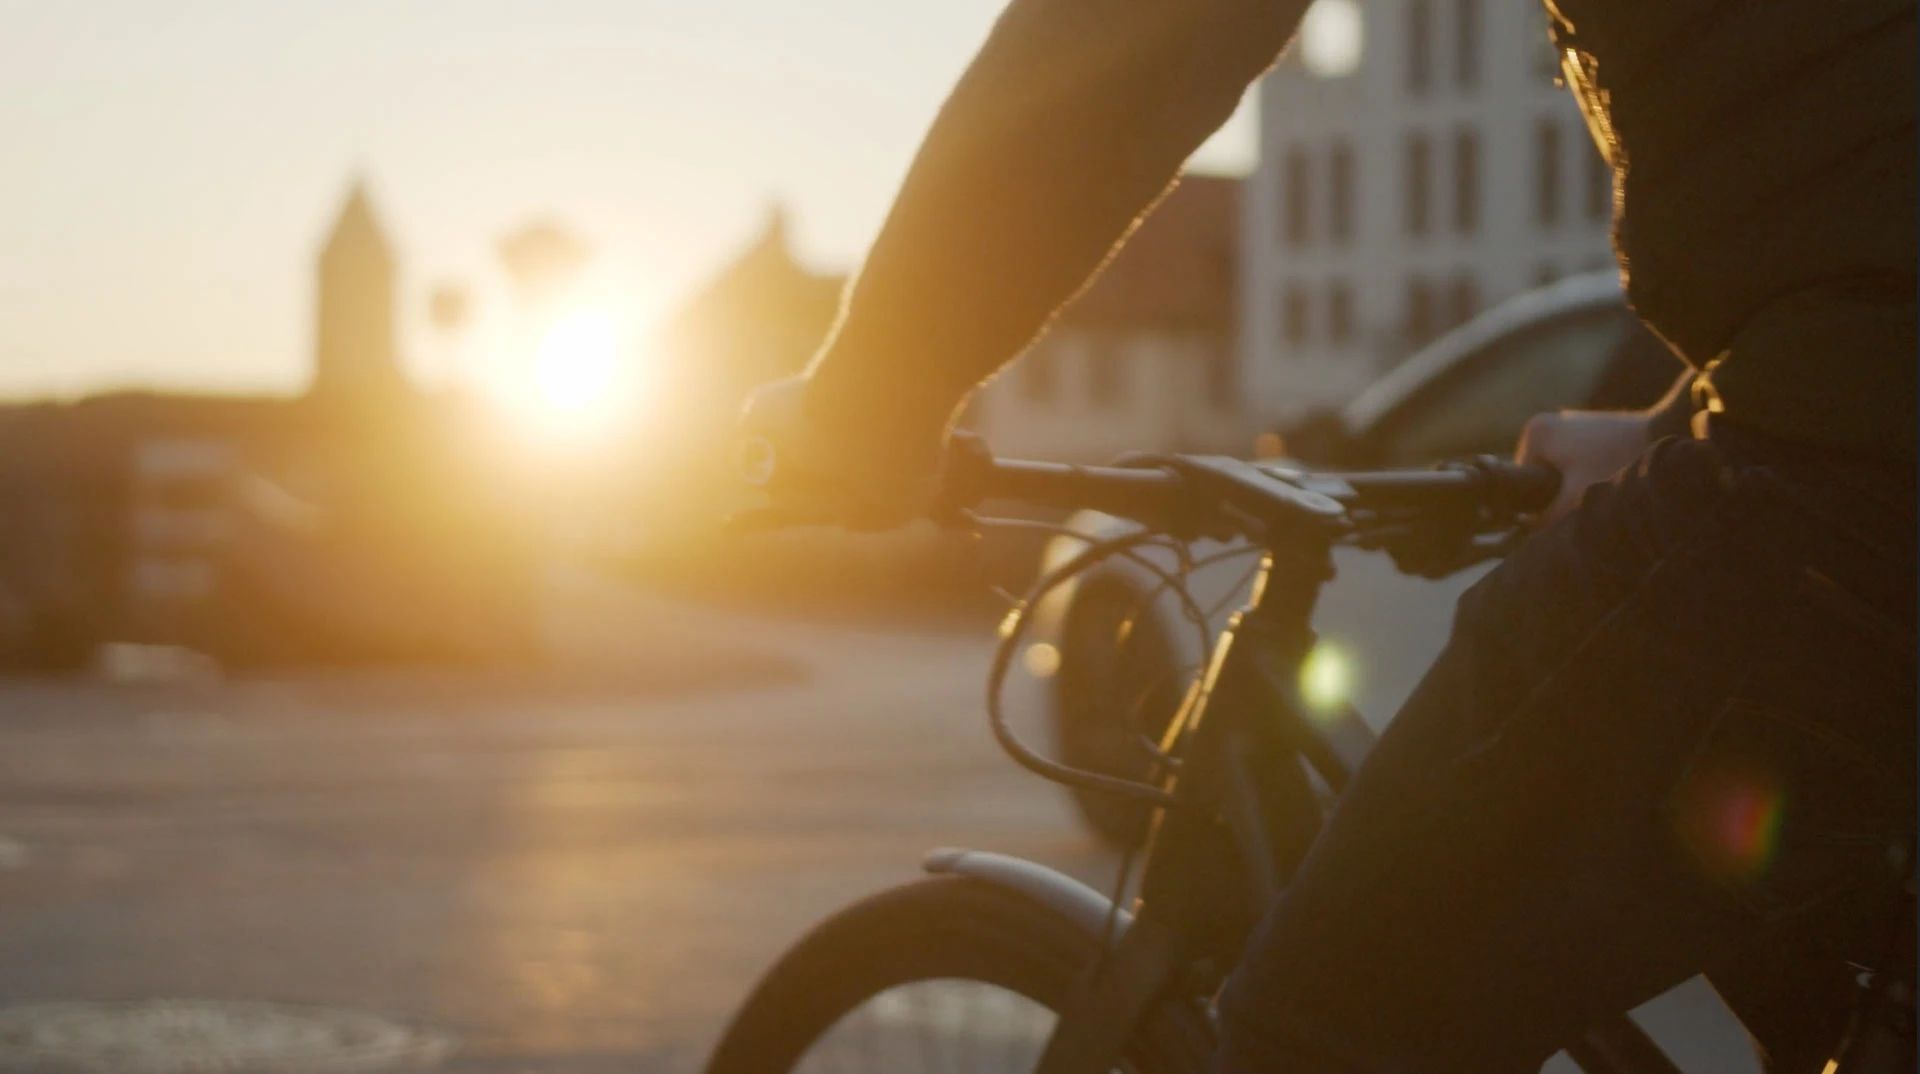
{"points": [[1418, 162], [1145, 360], [1085, 395]]}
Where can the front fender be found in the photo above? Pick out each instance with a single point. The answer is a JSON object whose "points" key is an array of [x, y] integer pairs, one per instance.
{"points": [[1106, 1007], [1088, 909]]}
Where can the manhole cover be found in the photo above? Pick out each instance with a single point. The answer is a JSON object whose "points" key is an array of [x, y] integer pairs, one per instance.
{"points": [[185, 1036]]}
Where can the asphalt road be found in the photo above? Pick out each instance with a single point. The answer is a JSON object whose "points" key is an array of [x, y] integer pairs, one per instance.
{"points": [[570, 872]]}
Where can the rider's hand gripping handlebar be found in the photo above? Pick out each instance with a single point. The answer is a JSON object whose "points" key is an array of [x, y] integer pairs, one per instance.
{"points": [[1429, 518]]}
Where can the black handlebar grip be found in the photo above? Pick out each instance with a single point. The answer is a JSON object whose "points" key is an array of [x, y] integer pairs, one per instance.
{"points": [[966, 473], [1523, 487]]}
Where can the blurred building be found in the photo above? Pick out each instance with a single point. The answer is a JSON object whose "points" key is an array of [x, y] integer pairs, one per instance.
{"points": [[1144, 359], [760, 317], [1417, 163], [356, 360], [345, 523]]}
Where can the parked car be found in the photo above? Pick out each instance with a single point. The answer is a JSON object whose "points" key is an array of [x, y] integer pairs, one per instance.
{"points": [[1120, 649], [1570, 344]]}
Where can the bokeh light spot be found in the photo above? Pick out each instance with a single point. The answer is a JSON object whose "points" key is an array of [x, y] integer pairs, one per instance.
{"points": [[1042, 660], [1326, 678], [1332, 38]]}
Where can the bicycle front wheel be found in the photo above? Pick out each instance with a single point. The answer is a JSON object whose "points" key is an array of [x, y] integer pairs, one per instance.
{"points": [[946, 974]]}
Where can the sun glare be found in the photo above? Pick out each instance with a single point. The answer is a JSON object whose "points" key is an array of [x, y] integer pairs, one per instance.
{"points": [[577, 369], [570, 383]]}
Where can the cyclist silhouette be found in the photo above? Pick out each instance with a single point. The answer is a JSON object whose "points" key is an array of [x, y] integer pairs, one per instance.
{"points": [[1675, 732]]}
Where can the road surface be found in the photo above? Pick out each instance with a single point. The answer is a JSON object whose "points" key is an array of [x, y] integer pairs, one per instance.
{"points": [[570, 872]]}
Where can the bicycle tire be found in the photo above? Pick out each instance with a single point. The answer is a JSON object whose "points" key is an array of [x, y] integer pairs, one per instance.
{"points": [[939, 929]]}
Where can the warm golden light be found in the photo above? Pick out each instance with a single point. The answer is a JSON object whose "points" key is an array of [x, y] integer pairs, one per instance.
{"points": [[568, 383], [576, 373]]}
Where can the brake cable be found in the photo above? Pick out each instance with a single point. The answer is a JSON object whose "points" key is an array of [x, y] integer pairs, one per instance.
{"points": [[1013, 630]]}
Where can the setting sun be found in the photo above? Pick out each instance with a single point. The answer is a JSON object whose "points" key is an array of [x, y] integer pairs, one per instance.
{"points": [[576, 372], [570, 382]]}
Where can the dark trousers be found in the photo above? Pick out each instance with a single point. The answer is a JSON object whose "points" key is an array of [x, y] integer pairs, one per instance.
{"points": [[1672, 734]]}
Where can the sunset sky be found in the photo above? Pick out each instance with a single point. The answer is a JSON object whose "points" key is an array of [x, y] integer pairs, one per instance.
{"points": [[172, 165]]}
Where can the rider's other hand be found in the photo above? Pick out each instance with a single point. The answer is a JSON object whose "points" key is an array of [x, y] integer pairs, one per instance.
{"points": [[843, 471], [1586, 446]]}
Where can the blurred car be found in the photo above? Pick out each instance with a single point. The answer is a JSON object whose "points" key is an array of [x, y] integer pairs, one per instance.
{"points": [[1120, 647], [1570, 344]]}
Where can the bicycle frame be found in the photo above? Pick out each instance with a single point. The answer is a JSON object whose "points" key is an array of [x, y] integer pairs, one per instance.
{"points": [[1244, 815], [1240, 809]]}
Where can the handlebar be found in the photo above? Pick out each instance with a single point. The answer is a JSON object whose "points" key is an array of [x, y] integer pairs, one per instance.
{"points": [[1495, 485], [1185, 494], [1501, 486]]}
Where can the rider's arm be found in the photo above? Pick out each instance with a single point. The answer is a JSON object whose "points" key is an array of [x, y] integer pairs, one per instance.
{"points": [[1075, 116]]}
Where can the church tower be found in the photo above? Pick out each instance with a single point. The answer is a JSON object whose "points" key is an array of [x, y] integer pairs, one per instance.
{"points": [[355, 357]]}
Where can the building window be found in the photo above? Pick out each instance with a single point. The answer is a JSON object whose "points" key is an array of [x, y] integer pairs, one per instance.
{"points": [[1466, 182], [1419, 46], [1340, 192], [1546, 173], [1463, 300], [1420, 317], [1599, 187], [1293, 315], [1105, 367], [1419, 165], [1339, 312], [1299, 182], [1466, 54], [1038, 380]]}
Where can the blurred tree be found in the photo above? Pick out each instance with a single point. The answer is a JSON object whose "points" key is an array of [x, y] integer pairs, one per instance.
{"points": [[544, 260], [450, 311], [450, 307]]}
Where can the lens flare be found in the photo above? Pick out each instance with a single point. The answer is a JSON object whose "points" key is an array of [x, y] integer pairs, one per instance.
{"points": [[1326, 678], [1729, 815], [1042, 660], [1332, 38]]}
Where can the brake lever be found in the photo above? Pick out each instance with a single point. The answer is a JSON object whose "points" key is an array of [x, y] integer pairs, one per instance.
{"points": [[965, 473]]}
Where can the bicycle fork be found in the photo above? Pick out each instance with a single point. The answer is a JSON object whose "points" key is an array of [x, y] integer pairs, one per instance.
{"points": [[1242, 818]]}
